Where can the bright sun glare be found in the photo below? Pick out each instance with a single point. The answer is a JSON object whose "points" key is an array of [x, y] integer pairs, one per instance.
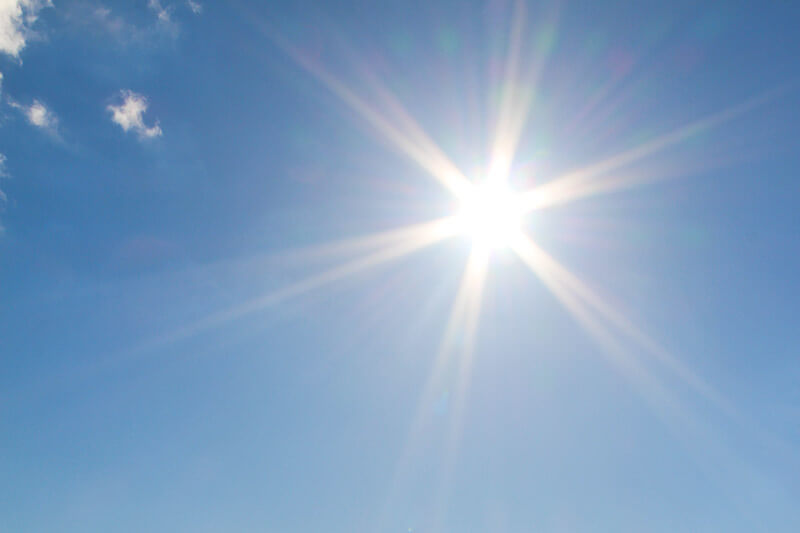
{"points": [[491, 215]]}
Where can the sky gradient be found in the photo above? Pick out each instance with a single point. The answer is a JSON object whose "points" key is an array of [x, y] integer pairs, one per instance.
{"points": [[233, 296]]}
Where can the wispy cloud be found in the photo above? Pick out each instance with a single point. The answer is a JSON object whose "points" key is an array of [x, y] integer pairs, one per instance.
{"points": [[106, 20], [3, 197], [129, 115], [38, 115], [16, 19], [92, 16], [160, 11], [164, 22], [3, 174], [196, 7]]}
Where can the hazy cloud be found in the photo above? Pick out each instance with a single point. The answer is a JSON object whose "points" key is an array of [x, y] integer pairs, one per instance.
{"points": [[16, 19], [130, 115]]}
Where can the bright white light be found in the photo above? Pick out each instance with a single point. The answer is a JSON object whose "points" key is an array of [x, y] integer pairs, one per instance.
{"points": [[491, 215]]}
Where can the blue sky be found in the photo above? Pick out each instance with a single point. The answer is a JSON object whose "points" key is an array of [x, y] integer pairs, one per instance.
{"points": [[194, 336]]}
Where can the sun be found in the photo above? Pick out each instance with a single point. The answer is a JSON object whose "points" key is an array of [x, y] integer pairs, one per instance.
{"points": [[491, 215]]}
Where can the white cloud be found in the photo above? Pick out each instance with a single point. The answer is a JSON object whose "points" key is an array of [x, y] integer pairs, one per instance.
{"points": [[16, 19], [196, 7], [37, 114], [130, 115]]}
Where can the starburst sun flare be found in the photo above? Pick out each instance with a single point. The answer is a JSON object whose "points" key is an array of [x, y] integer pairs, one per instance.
{"points": [[492, 214], [399, 266]]}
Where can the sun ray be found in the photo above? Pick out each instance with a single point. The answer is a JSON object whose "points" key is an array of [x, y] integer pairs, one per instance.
{"points": [[685, 424], [457, 340], [591, 311], [401, 130], [455, 334], [657, 396], [518, 89], [363, 242], [514, 102], [475, 279], [393, 245], [422, 236], [592, 179]]}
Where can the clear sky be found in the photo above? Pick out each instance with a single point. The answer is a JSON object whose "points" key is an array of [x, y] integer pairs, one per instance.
{"points": [[399, 266]]}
